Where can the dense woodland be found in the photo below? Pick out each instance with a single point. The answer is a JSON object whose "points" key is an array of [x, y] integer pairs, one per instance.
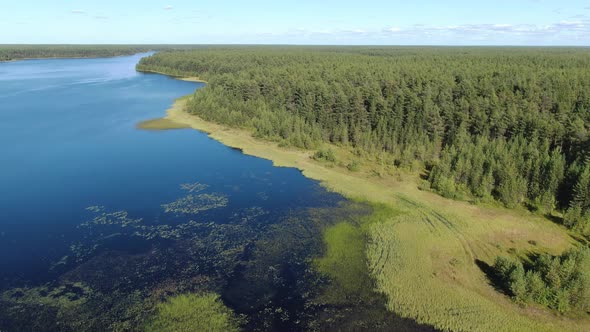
{"points": [[561, 282], [505, 124], [15, 52]]}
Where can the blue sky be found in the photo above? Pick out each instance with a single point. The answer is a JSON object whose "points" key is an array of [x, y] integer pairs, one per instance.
{"points": [[377, 22]]}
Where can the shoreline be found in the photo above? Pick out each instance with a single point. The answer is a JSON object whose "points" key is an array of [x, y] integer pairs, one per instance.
{"points": [[475, 233], [181, 78]]}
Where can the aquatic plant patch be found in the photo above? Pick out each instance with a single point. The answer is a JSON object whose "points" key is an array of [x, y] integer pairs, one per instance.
{"points": [[193, 187], [193, 204], [193, 312], [110, 218]]}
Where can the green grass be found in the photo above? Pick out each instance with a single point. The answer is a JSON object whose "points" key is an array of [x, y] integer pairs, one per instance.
{"points": [[192, 312], [424, 262], [402, 262]]}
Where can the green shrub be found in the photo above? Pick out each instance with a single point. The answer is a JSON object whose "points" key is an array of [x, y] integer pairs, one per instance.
{"points": [[424, 185], [325, 155], [446, 187], [353, 166]]}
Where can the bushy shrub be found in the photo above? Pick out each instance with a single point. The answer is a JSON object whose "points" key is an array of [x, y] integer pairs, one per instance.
{"points": [[353, 166], [325, 155]]}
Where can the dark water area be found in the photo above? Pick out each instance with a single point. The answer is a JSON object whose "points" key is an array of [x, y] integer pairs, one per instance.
{"points": [[101, 220]]}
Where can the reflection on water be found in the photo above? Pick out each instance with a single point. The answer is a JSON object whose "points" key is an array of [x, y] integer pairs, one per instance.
{"points": [[101, 221]]}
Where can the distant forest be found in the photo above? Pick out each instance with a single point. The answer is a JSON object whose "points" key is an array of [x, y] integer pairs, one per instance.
{"points": [[37, 51], [15, 52], [505, 124]]}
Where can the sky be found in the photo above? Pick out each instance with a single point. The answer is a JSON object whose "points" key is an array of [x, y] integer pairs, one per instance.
{"points": [[326, 22]]}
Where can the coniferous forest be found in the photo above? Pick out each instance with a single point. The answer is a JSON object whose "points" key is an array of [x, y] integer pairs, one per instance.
{"points": [[489, 124], [560, 283]]}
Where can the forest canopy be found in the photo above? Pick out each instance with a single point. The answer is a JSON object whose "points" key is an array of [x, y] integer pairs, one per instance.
{"points": [[505, 124]]}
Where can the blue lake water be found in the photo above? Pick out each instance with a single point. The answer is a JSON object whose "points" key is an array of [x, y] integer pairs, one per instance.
{"points": [[95, 209], [69, 140]]}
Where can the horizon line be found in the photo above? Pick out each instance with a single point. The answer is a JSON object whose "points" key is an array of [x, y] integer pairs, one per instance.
{"points": [[290, 44]]}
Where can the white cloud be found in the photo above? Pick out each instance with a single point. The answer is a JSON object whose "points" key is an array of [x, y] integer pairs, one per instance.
{"points": [[392, 29], [78, 11], [168, 7], [564, 32], [355, 31], [579, 27]]}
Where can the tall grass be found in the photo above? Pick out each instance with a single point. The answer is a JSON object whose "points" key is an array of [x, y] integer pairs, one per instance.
{"points": [[426, 269]]}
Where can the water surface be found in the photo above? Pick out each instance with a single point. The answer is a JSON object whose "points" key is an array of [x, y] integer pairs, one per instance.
{"points": [[68, 140]]}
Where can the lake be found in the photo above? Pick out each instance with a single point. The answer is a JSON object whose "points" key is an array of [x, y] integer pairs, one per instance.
{"points": [[100, 220]]}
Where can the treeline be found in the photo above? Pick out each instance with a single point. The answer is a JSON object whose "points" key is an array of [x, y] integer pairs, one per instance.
{"points": [[558, 282], [509, 124], [15, 52]]}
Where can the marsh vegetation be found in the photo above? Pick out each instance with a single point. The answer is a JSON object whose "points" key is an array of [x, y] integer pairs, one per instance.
{"points": [[256, 271], [193, 312], [159, 124]]}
